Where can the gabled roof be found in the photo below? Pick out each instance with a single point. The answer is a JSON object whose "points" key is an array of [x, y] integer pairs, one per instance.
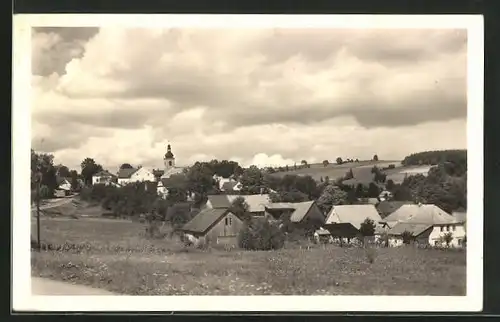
{"points": [[61, 180], [420, 214], [104, 173], [170, 172], [415, 229], [228, 185], [300, 209], [353, 214], [256, 203], [204, 220], [126, 173], [388, 207], [460, 216]]}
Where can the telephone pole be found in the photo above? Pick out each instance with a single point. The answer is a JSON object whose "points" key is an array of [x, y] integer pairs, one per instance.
{"points": [[39, 179]]}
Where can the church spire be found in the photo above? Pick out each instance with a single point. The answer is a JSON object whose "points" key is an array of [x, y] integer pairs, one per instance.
{"points": [[169, 154]]}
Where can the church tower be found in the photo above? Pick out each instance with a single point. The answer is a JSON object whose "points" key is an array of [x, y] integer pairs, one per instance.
{"points": [[169, 159]]}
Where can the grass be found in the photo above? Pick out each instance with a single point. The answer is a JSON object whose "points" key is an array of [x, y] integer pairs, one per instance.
{"points": [[333, 171], [118, 258]]}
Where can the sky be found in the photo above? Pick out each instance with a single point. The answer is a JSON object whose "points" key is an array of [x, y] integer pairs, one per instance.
{"points": [[256, 96]]}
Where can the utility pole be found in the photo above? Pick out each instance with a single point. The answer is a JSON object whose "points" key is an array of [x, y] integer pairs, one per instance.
{"points": [[39, 179]]}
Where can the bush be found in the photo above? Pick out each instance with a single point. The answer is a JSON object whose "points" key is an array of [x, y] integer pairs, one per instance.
{"points": [[261, 234]]}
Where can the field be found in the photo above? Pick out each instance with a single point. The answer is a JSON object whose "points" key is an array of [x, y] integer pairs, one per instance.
{"points": [[114, 255], [333, 171]]}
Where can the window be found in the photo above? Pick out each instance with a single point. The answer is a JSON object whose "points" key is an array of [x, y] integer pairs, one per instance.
{"points": [[442, 228], [226, 221], [169, 163], [459, 242], [230, 221]]}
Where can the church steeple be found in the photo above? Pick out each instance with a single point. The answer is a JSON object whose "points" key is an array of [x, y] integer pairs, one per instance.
{"points": [[169, 159]]}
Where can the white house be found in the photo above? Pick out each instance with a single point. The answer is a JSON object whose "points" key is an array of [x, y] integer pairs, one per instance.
{"points": [[457, 231], [129, 175], [64, 184], [103, 177]]}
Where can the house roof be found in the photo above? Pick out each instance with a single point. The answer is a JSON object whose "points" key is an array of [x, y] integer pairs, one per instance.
{"points": [[256, 203], [460, 216], [353, 214], [420, 214], [228, 185], [126, 173], [388, 207], [322, 232], [60, 180], [415, 229], [104, 173], [204, 220], [300, 208], [170, 172]]}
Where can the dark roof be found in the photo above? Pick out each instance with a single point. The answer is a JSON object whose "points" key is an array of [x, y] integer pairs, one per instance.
{"points": [[204, 220], [158, 173], [229, 185], [386, 208], [126, 173], [415, 229], [219, 201], [104, 173]]}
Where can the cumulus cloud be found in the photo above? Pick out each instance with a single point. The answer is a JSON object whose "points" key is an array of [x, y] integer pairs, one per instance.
{"points": [[259, 96]]}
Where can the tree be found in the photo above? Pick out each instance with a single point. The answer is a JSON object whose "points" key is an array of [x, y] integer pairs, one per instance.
{"points": [[390, 185], [63, 171], [407, 237], [325, 163], [331, 195], [89, 168], [339, 160], [367, 228], [447, 238], [373, 190], [239, 207], [252, 179], [261, 234], [288, 196], [42, 168], [126, 166], [304, 163], [75, 185], [375, 157], [360, 191]]}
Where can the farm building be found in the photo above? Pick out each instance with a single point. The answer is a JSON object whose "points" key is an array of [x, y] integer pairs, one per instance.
{"points": [[345, 220], [301, 217], [457, 230], [214, 226], [256, 203], [419, 233], [385, 208], [323, 236], [419, 214]]}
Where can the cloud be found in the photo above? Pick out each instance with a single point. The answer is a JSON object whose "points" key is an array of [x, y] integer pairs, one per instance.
{"points": [[254, 95]]}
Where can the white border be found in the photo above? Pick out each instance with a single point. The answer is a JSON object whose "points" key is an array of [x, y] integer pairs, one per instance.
{"points": [[22, 298]]}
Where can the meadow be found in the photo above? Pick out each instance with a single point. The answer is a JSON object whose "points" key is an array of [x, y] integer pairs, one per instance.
{"points": [[333, 171], [115, 255]]}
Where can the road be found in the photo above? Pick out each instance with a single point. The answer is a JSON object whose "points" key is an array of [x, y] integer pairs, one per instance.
{"points": [[44, 286], [54, 203]]}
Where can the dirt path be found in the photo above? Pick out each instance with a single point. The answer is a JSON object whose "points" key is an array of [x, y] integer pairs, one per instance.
{"points": [[44, 286]]}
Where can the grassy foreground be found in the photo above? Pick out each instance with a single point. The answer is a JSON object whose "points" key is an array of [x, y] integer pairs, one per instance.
{"points": [[114, 255]]}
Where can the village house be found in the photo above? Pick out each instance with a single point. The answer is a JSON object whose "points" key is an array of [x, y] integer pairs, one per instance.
{"points": [[214, 226], [419, 233], [419, 220], [344, 221], [298, 217], [104, 177], [130, 175], [457, 230], [256, 203]]}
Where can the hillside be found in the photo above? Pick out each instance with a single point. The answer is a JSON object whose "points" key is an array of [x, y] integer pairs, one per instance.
{"points": [[333, 170]]}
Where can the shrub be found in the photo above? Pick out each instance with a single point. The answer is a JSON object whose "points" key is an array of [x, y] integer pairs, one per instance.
{"points": [[261, 234], [407, 237]]}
